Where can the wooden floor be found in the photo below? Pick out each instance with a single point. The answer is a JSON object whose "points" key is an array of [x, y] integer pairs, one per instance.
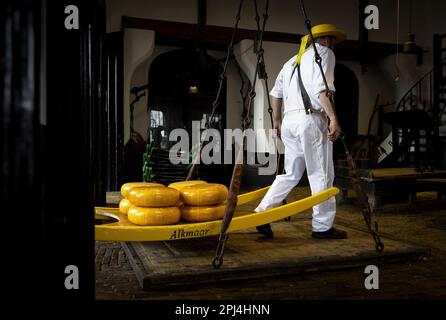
{"points": [[424, 225], [249, 255]]}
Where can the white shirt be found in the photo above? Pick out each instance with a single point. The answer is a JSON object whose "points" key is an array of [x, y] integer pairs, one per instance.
{"points": [[288, 88]]}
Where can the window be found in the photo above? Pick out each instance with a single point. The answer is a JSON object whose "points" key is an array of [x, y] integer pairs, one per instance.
{"points": [[156, 118]]}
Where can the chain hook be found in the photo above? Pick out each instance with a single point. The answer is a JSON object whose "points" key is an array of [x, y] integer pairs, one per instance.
{"points": [[354, 172], [218, 259]]}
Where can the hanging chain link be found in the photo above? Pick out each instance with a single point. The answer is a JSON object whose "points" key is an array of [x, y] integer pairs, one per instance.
{"points": [[260, 55], [229, 52], [354, 172], [215, 104], [243, 92], [234, 188], [264, 75], [259, 51]]}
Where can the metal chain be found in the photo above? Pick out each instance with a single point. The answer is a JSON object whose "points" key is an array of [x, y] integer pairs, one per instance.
{"points": [[317, 57], [354, 172], [264, 75], [215, 104], [230, 50], [252, 93], [234, 188], [243, 93], [363, 199]]}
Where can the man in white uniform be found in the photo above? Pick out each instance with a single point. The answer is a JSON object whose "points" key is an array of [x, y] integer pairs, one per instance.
{"points": [[308, 137]]}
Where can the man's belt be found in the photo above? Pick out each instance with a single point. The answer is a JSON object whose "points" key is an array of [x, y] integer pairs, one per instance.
{"points": [[310, 110]]}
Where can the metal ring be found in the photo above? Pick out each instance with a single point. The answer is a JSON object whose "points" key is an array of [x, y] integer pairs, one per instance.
{"points": [[379, 247], [217, 262]]}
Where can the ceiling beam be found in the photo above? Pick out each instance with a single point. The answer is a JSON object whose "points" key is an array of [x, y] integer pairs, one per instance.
{"points": [[214, 35], [182, 34]]}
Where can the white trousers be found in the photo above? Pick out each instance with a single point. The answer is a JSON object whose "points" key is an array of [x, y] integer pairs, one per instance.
{"points": [[306, 146]]}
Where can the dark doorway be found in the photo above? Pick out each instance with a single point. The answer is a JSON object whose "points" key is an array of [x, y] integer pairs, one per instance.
{"points": [[347, 104], [182, 87]]}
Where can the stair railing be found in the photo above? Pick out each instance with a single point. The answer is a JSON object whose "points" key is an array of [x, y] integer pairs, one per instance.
{"points": [[420, 94]]}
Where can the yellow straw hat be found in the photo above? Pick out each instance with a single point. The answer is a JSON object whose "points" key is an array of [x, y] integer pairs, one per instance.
{"points": [[321, 30]]}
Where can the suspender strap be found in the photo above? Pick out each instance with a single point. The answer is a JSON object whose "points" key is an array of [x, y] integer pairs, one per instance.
{"points": [[305, 97]]}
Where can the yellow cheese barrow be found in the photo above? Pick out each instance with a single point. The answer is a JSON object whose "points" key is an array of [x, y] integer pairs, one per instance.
{"points": [[124, 230]]}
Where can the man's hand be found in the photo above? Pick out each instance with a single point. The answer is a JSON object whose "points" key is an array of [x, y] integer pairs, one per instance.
{"points": [[276, 127], [276, 104], [334, 127], [334, 130]]}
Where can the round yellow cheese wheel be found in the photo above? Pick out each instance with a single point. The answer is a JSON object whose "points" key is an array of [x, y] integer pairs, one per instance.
{"points": [[154, 216], [179, 204], [154, 196], [203, 213], [204, 194], [182, 184], [126, 187], [124, 206]]}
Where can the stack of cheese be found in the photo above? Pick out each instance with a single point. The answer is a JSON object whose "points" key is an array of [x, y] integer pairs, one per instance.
{"points": [[150, 204], [201, 201]]}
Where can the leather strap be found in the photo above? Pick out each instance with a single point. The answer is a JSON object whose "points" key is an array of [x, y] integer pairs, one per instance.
{"points": [[305, 97]]}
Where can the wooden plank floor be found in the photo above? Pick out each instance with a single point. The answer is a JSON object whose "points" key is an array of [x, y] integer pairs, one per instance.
{"points": [[421, 224], [250, 255]]}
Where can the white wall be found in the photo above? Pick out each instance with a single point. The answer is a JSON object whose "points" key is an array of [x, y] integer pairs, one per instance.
{"points": [[284, 16], [276, 54], [171, 10], [138, 47], [234, 102], [427, 18], [379, 79], [140, 77]]}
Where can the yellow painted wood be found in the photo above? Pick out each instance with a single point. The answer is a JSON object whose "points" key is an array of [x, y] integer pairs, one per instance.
{"points": [[403, 172], [123, 230], [251, 196]]}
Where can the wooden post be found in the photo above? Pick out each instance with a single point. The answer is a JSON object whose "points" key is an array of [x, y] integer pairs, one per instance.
{"points": [[115, 131]]}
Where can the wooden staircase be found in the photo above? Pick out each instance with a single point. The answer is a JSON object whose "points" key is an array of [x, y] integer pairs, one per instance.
{"points": [[412, 157], [439, 85], [419, 121], [164, 171]]}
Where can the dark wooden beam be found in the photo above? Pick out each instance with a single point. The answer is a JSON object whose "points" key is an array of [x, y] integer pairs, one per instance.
{"points": [[217, 38], [168, 32]]}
